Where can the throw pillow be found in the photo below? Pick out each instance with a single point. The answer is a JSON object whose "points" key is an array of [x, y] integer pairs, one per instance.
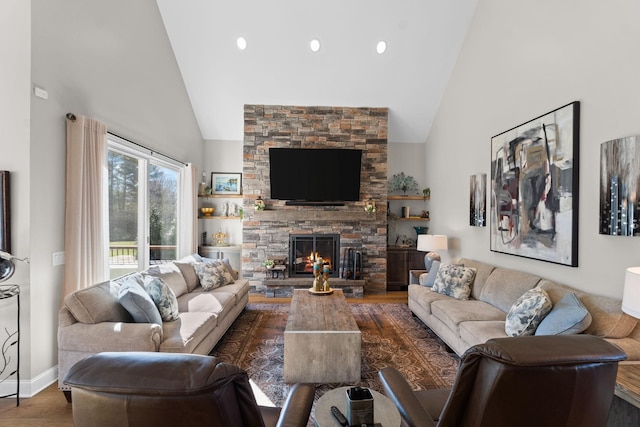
{"points": [[163, 297], [527, 312], [431, 275], [454, 281], [212, 274], [138, 303], [568, 316]]}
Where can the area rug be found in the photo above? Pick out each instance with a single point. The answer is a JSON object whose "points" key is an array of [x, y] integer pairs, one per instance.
{"points": [[391, 336]]}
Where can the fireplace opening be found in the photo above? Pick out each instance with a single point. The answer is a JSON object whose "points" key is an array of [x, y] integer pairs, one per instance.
{"points": [[305, 249]]}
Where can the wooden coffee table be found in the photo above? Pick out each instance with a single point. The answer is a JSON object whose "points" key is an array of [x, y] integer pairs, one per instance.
{"points": [[322, 340]]}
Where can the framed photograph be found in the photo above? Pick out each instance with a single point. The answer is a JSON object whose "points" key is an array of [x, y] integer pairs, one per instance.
{"points": [[534, 188], [226, 183], [5, 212], [477, 200], [619, 186]]}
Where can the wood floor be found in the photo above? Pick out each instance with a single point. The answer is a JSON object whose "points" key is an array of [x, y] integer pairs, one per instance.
{"points": [[50, 409]]}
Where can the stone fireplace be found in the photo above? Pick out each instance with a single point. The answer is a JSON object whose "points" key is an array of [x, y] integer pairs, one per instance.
{"points": [[266, 233], [306, 249]]}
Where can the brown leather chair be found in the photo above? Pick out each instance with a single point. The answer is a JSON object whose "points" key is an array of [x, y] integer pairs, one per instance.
{"points": [[137, 389], [564, 380]]}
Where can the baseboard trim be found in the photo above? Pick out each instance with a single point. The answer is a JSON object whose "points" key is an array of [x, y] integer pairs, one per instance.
{"points": [[29, 388]]}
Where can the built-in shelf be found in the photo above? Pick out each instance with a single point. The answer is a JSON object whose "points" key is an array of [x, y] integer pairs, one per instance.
{"points": [[407, 198], [219, 217], [220, 196], [313, 215], [413, 218]]}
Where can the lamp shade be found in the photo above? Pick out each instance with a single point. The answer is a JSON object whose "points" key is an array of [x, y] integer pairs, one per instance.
{"points": [[631, 294], [432, 242]]}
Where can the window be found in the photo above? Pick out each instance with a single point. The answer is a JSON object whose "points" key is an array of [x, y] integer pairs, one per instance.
{"points": [[143, 199]]}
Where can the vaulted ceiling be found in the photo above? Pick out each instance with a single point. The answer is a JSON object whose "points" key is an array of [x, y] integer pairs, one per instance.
{"points": [[278, 67]]}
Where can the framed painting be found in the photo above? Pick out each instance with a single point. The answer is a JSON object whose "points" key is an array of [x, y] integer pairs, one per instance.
{"points": [[5, 212], [226, 183], [534, 188], [477, 200], [619, 186]]}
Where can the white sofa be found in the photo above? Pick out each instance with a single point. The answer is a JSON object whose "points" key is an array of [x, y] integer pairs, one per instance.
{"points": [[93, 320]]}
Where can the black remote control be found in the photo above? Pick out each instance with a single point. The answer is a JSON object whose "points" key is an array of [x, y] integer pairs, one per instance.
{"points": [[339, 416]]}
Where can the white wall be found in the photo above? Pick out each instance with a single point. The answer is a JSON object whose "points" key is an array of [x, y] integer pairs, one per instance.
{"points": [[109, 60], [15, 51], [521, 60]]}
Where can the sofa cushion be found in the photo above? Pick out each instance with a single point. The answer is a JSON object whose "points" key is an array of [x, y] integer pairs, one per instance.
{"points": [[172, 275], [430, 277], [97, 303], [527, 313], [480, 331], [199, 301], [568, 316], [453, 312], [608, 319], [186, 333], [454, 281], [163, 297], [189, 274], [503, 287], [138, 303], [483, 271], [424, 296], [212, 274]]}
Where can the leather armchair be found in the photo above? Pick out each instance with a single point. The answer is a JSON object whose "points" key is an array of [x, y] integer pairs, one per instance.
{"points": [[564, 380], [169, 389]]}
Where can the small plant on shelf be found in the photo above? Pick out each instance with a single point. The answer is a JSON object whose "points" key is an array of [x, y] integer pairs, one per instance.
{"points": [[402, 182], [269, 264]]}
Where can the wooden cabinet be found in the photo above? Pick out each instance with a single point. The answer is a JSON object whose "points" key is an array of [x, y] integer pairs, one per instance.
{"points": [[399, 261]]}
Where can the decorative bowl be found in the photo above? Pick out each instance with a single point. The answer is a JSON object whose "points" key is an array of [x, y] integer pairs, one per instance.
{"points": [[207, 211]]}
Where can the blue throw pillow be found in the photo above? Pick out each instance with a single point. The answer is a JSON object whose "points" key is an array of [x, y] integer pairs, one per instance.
{"points": [[568, 316], [138, 303]]}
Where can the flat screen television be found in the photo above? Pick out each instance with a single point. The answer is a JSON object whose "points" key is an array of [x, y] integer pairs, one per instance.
{"points": [[315, 175]]}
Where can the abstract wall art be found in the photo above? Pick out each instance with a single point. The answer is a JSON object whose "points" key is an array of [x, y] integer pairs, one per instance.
{"points": [[619, 185], [534, 188], [477, 200]]}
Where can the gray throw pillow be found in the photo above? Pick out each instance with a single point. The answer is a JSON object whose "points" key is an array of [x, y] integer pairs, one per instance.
{"points": [[568, 316], [138, 303], [527, 313], [163, 297], [431, 275]]}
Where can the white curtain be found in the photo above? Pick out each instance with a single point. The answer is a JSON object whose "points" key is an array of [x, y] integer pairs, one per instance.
{"points": [[85, 228], [188, 242]]}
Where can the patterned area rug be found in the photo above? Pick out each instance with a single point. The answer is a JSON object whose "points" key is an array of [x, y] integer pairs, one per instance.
{"points": [[391, 336]]}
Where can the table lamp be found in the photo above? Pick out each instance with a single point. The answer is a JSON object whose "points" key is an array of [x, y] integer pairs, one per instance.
{"points": [[429, 243], [631, 293]]}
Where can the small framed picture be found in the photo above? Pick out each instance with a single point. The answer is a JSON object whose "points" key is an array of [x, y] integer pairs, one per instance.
{"points": [[226, 183]]}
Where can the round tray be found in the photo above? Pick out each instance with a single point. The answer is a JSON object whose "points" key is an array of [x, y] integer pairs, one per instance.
{"points": [[311, 291]]}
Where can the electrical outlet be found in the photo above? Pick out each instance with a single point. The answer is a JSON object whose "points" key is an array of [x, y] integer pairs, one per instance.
{"points": [[57, 258]]}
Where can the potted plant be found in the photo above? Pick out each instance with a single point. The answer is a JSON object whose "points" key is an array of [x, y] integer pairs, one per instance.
{"points": [[268, 264]]}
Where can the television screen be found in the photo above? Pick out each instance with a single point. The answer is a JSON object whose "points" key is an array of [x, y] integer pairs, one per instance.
{"points": [[315, 175]]}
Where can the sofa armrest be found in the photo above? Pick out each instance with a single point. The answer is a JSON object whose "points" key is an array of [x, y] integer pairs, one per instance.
{"points": [[110, 336], [402, 395], [297, 408]]}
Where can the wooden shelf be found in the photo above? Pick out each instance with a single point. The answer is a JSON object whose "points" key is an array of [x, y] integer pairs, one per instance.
{"points": [[415, 197], [417, 218], [219, 217], [220, 196]]}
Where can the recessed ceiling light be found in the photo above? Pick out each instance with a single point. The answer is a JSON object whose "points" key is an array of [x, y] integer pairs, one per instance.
{"points": [[381, 47], [315, 45], [242, 43]]}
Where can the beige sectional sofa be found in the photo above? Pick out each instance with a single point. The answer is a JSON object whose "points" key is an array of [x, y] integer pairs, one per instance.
{"points": [[93, 320], [464, 323]]}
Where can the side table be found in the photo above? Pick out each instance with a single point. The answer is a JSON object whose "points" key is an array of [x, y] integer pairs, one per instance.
{"points": [[625, 408], [384, 410], [7, 292]]}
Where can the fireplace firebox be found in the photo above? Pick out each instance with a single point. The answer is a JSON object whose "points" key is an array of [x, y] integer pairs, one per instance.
{"points": [[305, 249]]}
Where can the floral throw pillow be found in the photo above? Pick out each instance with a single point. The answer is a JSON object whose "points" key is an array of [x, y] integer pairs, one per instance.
{"points": [[527, 312], [163, 297], [454, 281], [213, 274]]}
